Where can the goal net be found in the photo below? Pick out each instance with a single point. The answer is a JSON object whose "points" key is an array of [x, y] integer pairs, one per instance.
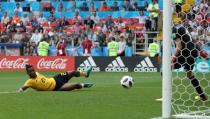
{"points": [[183, 98]]}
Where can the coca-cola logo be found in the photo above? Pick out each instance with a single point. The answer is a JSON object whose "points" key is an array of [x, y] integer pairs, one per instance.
{"points": [[18, 63], [52, 64]]}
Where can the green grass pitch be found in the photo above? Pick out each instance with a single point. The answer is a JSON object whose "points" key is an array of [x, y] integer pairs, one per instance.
{"points": [[105, 100]]}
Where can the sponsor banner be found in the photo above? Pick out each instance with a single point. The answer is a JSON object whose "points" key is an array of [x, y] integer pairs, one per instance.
{"points": [[201, 65], [39, 63], [118, 64]]}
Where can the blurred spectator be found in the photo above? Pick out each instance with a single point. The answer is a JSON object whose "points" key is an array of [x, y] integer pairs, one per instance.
{"points": [[115, 7], [41, 19], [77, 18], [84, 7], [18, 8], [77, 28], [87, 46], [109, 22], [134, 7], [120, 24], [94, 17], [5, 18], [27, 8], [21, 27], [130, 35], [126, 5], [6, 36], [43, 47], [51, 18], [92, 7], [61, 48], [63, 23], [121, 45], [142, 18], [18, 37], [101, 38], [12, 27], [203, 6], [49, 7], [60, 7], [16, 19], [36, 37], [154, 14], [113, 47], [25, 18], [105, 7], [178, 5], [89, 22]]}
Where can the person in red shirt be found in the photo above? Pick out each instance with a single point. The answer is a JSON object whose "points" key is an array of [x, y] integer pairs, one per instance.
{"points": [[61, 48], [87, 46]]}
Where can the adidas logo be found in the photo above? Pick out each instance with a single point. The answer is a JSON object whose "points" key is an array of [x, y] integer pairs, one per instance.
{"points": [[116, 65], [145, 66], [87, 63]]}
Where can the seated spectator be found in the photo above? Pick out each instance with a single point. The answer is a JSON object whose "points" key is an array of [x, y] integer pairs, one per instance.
{"points": [[25, 18], [95, 18], [34, 22], [18, 37], [63, 23], [41, 19], [21, 27], [127, 6], [89, 22], [92, 7], [43, 47], [16, 19], [18, 8], [120, 24], [51, 18], [27, 8], [60, 7], [12, 27], [5, 18], [87, 46], [77, 18], [105, 7], [115, 7], [61, 48], [84, 7], [109, 22], [135, 7], [36, 37], [121, 45], [48, 7]]}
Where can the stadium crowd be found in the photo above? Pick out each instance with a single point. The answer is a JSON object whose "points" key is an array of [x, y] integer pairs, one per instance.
{"points": [[35, 32]]}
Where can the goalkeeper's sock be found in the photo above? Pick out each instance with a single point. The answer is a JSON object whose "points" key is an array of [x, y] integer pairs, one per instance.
{"points": [[198, 88]]}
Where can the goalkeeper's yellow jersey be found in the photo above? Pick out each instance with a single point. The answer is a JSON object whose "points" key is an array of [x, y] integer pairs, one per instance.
{"points": [[41, 83]]}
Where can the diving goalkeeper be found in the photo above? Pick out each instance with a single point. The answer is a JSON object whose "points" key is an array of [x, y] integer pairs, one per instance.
{"points": [[59, 82]]}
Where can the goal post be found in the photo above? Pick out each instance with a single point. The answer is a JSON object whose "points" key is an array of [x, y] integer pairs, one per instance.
{"points": [[166, 83]]}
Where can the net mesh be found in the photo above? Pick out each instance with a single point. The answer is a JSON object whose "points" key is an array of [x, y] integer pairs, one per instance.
{"points": [[195, 19]]}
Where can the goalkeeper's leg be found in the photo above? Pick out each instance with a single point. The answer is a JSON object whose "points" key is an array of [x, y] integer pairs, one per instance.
{"points": [[195, 83]]}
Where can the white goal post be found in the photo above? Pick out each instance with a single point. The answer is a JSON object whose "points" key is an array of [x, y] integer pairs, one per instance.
{"points": [[180, 103]]}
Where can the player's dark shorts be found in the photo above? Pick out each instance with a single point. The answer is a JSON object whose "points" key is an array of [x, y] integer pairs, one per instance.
{"points": [[60, 80], [186, 63]]}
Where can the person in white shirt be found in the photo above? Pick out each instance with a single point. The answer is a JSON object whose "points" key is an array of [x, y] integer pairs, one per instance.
{"points": [[5, 18], [25, 18], [142, 18], [36, 37], [122, 45], [95, 18], [18, 8], [41, 19]]}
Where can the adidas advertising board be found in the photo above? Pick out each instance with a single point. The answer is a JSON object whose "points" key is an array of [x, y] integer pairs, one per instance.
{"points": [[145, 65], [116, 65], [87, 63]]}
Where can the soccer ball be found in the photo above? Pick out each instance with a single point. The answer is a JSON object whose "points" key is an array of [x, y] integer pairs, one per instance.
{"points": [[127, 81]]}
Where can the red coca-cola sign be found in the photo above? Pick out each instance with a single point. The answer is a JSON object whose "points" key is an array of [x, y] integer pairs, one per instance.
{"points": [[40, 63]]}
